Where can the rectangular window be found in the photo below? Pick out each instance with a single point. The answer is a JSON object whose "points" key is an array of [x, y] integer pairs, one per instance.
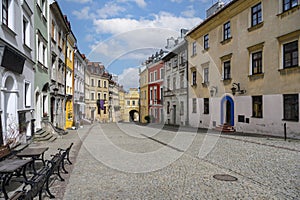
{"points": [[257, 63], [162, 73], [291, 107], [194, 76], [194, 105], [206, 75], [27, 94], [206, 106], [99, 83], [26, 34], [104, 84], [227, 70], [256, 14], [104, 112], [288, 4], [182, 80], [128, 103], [155, 94], [92, 81], [104, 96], [194, 50], [161, 94], [92, 96], [205, 42], [257, 106], [155, 75], [227, 32], [290, 54], [133, 103], [151, 76], [174, 83], [168, 107], [53, 30], [168, 82], [5, 12], [181, 107], [99, 95]]}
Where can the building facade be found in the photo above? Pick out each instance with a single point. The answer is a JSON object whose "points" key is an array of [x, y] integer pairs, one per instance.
{"points": [[175, 94], [155, 87], [244, 68], [69, 55], [42, 78], [17, 71], [57, 46], [143, 95], [131, 109], [79, 103]]}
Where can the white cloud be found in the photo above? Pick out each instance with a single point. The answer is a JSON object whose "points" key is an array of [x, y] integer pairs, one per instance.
{"points": [[109, 10], [189, 12], [81, 1], [129, 78], [84, 13], [140, 3], [177, 1], [161, 20]]}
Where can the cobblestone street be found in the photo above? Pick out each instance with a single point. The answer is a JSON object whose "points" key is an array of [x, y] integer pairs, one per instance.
{"points": [[126, 161]]}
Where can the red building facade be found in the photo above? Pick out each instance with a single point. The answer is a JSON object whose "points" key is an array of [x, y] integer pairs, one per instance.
{"points": [[155, 90]]}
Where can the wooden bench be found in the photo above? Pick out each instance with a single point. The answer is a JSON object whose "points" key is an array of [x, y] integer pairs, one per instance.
{"points": [[5, 152], [66, 157]]}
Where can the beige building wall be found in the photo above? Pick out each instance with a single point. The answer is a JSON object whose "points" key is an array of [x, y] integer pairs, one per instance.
{"points": [[276, 29], [144, 95], [131, 111]]}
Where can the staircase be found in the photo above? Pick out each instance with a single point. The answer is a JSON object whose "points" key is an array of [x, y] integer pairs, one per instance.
{"points": [[225, 128], [42, 135]]}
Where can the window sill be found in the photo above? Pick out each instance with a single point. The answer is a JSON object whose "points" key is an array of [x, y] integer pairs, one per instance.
{"points": [[254, 77], [289, 70], [194, 55], [27, 47], [291, 120], [205, 50], [8, 30], [194, 85], [255, 27], [226, 81], [256, 117], [205, 84], [226, 41], [288, 12]]}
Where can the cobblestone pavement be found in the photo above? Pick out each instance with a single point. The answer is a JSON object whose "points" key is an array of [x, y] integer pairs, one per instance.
{"points": [[125, 161]]}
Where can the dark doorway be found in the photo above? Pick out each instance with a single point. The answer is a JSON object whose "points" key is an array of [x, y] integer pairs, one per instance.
{"points": [[52, 109], [228, 113], [174, 114], [133, 116]]}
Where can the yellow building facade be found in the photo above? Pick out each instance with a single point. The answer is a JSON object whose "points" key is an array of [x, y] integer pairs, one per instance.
{"points": [[144, 111], [71, 44], [244, 68], [131, 107]]}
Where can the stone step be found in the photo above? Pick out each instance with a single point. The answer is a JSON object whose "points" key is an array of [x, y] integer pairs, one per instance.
{"points": [[46, 138], [225, 128], [42, 135]]}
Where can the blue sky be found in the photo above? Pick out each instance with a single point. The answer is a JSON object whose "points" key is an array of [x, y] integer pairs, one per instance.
{"points": [[123, 33]]}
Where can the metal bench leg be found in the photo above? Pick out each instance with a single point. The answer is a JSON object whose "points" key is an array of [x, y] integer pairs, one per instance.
{"points": [[63, 167], [58, 173], [68, 158], [48, 191]]}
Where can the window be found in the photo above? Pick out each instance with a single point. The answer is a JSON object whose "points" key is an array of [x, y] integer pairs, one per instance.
{"points": [[168, 107], [182, 80], [162, 73], [92, 96], [104, 84], [155, 94], [174, 83], [155, 75], [27, 95], [99, 83], [133, 103], [194, 50], [290, 54], [168, 82], [99, 95], [291, 107], [44, 7], [227, 70], [194, 80], [104, 112], [227, 33], [206, 75], [151, 76], [92, 81], [128, 103], [5, 12], [151, 94], [257, 63], [257, 106], [288, 4], [53, 30], [194, 105], [256, 14], [104, 96], [181, 107], [161, 94], [206, 106], [206, 39]]}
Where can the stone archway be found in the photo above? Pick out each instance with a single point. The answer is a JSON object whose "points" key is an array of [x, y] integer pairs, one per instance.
{"points": [[133, 116], [9, 102]]}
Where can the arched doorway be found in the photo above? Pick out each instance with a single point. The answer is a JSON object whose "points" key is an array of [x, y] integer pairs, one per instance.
{"points": [[9, 102], [133, 116], [227, 111]]}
